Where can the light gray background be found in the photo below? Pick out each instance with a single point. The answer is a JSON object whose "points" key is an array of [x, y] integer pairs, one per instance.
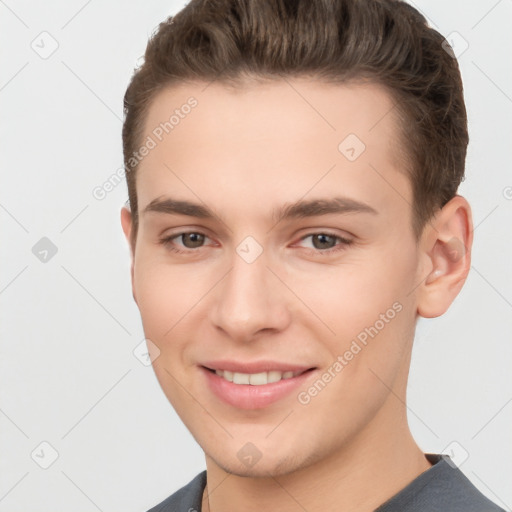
{"points": [[69, 326]]}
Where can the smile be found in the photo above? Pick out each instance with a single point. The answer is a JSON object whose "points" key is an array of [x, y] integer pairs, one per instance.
{"points": [[258, 389], [256, 379]]}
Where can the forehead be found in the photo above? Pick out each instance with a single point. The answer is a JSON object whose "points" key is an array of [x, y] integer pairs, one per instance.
{"points": [[284, 133], [364, 108]]}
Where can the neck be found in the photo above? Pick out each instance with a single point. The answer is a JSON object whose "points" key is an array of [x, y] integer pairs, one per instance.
{"points": [[380, 462]]}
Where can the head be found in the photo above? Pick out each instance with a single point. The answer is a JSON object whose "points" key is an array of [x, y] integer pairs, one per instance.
{"points": [[313, 151]]}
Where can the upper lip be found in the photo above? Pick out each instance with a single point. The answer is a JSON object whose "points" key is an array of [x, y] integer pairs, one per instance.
{"points": [[255, 366]]}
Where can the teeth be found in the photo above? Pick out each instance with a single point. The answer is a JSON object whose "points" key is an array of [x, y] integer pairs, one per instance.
{"points": [[255, 379], [274, 376], [241, 378]]}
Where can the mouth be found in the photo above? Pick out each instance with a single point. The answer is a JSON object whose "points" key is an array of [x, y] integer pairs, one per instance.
{"points": [[256, 388], [257, 379]]}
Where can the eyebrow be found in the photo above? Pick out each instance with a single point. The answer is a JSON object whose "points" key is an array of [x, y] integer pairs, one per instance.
{"points": [[296, 210]]}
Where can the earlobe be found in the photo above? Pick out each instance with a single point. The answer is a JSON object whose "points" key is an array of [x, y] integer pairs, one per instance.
{"points": [[447, 251]]}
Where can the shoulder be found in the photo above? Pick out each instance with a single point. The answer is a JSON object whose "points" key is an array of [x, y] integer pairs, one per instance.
{"points": [[441, 488], [186, 499]]}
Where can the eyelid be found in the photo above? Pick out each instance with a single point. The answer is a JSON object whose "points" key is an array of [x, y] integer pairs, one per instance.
{"points": [[168, 240], [181, 230], [343, 241], [328, 233]]}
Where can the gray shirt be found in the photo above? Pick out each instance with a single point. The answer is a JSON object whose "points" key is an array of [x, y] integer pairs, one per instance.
{"points": [[442, 488]]}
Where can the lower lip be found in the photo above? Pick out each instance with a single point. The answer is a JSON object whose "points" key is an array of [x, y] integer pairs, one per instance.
{"points": [[246, 396]]}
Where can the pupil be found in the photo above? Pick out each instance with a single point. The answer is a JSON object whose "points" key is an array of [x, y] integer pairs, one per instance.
{"points": [[324, 239], [195, 239]]}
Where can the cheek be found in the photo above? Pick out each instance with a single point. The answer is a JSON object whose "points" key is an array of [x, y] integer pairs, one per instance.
{"points": [[352, 298], [166, 300], [371, 315], [163, 296]]}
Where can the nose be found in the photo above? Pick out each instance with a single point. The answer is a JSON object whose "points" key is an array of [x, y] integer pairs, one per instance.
{"points": [[249, 300]]}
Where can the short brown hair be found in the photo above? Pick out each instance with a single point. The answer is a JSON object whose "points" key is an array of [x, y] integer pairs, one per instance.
{"points": [[387, 42]]}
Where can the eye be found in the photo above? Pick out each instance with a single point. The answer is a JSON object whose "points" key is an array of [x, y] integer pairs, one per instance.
{"points": [[325, 243], [188, 240]]}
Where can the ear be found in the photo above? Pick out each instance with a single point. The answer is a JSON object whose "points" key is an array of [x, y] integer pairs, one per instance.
{"points": [[446, 257], [127, 224]]}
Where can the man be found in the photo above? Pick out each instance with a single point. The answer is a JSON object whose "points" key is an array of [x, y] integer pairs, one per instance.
{"points": [[292, 170]]}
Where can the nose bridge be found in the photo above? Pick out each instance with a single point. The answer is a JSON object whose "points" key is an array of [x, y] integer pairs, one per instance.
{"points": [[248, 299]]}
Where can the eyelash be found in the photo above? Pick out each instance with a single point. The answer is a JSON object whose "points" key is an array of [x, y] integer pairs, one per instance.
{"points": [[344, 243]]}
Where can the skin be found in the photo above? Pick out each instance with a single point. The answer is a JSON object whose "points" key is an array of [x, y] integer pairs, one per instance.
{"points": [[244, 153]]}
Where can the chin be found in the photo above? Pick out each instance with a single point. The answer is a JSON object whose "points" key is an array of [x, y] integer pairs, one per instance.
{"points": [[263, 468]]}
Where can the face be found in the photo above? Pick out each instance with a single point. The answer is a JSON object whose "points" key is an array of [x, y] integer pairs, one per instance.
{"points": [[275, 250]]}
